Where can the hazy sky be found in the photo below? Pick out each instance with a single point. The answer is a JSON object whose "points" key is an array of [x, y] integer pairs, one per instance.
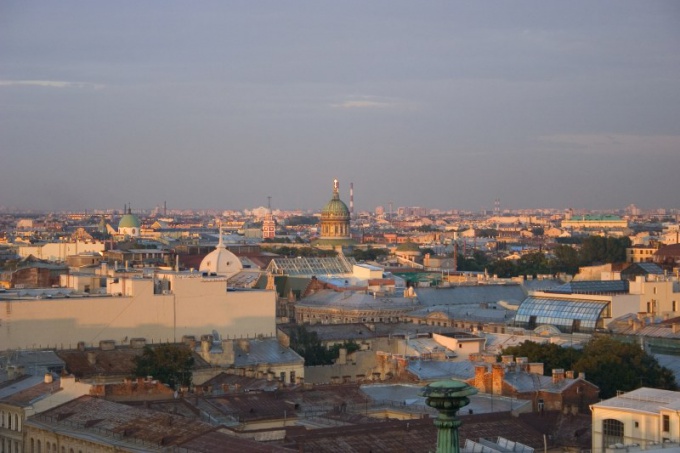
{"points": [[442, 104]]}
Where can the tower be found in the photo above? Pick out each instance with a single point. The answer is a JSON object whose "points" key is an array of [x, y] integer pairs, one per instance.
{"points": [[268, 224], [351, 200]]}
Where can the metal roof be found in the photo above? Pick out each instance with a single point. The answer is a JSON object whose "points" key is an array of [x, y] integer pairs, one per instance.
{"points": [[644, 399], [592, 287], [473, 294]]}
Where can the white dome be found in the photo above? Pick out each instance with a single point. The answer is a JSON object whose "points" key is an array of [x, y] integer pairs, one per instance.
{"points": [[221, 262]]}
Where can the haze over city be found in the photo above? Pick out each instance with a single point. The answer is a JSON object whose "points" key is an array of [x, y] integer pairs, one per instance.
{"points": [[444, 104]]}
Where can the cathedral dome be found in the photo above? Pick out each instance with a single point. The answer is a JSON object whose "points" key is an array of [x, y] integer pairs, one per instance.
{"points": [[335, 208], [335, 219], [221, 261]]}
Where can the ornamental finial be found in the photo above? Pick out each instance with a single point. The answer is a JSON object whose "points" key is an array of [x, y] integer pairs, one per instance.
{"points": [[336, 185]]}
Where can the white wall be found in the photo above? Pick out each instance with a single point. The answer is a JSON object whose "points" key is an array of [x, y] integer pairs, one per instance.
{"points": [[194, 307]]}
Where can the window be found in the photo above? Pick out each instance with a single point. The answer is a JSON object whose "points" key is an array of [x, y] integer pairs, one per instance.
{"points": [[666, 423], [612, 432]]}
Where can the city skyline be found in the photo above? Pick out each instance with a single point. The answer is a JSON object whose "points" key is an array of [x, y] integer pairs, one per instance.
{"points": [[449, 105]]}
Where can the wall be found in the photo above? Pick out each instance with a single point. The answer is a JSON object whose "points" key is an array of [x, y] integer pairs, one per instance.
{"points": [[463, 349], [193, 307], [58, 251]]}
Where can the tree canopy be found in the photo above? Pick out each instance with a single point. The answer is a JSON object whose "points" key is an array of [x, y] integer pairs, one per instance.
{"points": [[169, 363], [307, 344], [610, 364]]}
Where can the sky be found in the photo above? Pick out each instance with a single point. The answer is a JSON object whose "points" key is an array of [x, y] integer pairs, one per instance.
{"points": [[441, 104]]}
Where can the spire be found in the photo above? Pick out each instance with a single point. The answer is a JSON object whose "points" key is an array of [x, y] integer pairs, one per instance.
{"points": [[220, 244], [336, 189]]}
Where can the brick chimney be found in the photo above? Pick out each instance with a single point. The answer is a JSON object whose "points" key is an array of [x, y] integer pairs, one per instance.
{"points": [[557, 375], [480, 373], [497, 375]]}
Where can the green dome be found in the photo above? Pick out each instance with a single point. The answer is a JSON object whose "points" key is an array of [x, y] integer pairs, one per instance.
{"points": [[129, 221], [335, 208]]}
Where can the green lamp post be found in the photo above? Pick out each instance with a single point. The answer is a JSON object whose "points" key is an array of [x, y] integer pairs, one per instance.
{"points": [[447, 397]]}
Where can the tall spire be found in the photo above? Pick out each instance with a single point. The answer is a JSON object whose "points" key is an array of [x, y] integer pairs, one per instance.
{"points": [[336, 188], [220, 244]]}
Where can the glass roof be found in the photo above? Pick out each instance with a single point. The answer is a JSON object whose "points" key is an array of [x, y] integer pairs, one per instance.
{"points": [[567, 315], [311, 266]]}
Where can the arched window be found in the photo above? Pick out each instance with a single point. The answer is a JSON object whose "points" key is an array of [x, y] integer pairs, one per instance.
{"points": [[17, 422], [612, 432], [38, 448]]}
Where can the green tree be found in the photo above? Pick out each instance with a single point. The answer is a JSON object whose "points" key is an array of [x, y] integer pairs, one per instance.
{"points": [[597, 249], [566, 259], [503, 268], [552, 356], [614, 365], [169, 363], [533, 263], [610, 364], [308, 345], [370, 254]]}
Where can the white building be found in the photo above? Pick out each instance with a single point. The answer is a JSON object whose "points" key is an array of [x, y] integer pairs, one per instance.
{"points": [[58, 251], [161, 306], [641, 418]]}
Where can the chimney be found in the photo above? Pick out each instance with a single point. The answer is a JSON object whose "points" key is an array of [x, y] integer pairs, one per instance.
{"points": [[342, 359], [107, 345], [480, 373], [91, 357], [497, 375], [48, 378], [557, 375], [582, 375], [507, 359], [206, 343], [569, 374], [137, 343], [244, 344], [228, 354], [675, 327]]}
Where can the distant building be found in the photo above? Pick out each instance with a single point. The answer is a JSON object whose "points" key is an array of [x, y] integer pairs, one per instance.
{"points": [[335, 220], [595, 221], [130, 225]]}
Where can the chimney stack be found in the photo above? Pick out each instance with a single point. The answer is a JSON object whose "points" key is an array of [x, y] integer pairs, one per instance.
{"points": [[557, 375]]}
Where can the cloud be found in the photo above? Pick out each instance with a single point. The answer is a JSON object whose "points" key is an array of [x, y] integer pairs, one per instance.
{"points": [[613, 143], [51, 84], [366, 102]]}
